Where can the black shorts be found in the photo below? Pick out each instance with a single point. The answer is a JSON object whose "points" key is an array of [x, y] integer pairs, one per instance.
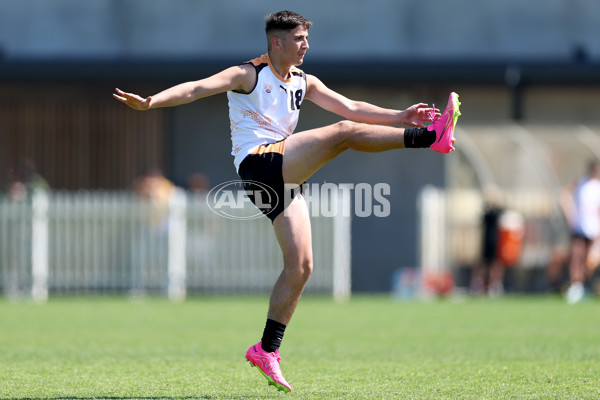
{"points": [[262, 174]]}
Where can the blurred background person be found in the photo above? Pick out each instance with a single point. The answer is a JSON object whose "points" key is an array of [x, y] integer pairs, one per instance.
{"points": [[581, 205], [24, 180], [154, 187], [198, 183], [559, 257], [151, 244], [488, 274]]}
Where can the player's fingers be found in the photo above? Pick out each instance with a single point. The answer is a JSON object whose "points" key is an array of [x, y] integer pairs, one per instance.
{"points": [[129, 95], [122, 93], [428, 109], [436, 112], [116, 96]]}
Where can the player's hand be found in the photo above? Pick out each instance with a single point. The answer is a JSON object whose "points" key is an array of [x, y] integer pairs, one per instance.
{"points": [[417, 114], [133, 100]]}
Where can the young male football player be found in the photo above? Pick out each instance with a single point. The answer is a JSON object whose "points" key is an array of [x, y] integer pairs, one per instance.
{"points": [[265, 96]]}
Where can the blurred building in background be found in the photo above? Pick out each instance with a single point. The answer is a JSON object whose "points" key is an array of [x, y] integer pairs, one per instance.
{"points": [[528, 75]]}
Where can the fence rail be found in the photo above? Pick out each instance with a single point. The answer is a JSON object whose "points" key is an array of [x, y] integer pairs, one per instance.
{"points": [[116, 242]]}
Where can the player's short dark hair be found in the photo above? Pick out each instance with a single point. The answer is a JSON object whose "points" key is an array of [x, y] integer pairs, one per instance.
{"points": [[286, 21]]}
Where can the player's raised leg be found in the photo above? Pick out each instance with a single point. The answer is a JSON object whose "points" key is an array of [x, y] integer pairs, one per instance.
{"points": [[306, 152]]}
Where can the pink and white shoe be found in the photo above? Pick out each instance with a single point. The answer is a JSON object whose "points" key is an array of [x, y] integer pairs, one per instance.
{"points": [[268, 365], [444, 126]]}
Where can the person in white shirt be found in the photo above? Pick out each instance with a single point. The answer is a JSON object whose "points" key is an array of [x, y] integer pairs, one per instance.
{"points": [[581, 206], [265, 96]]}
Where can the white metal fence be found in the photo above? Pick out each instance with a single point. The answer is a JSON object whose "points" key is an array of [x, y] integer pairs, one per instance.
{"points": [[114, 242]]}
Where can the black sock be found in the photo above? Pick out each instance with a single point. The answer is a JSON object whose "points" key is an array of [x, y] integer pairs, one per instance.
{"points": [[272, 335], [418, 137]]}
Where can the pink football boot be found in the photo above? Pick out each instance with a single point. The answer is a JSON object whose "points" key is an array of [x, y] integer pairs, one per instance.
{"points": [[444, 126], [268, 365]]}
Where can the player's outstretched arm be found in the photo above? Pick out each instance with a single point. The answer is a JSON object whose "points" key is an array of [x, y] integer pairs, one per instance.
{"points": [[360, 111], [235, 78]]}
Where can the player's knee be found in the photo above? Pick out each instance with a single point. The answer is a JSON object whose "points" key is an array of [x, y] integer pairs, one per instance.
{"points": [[306, 268], [302, 267], [347, 130], [346, 127]]}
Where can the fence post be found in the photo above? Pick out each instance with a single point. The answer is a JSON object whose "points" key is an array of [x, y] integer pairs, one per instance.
{"points": [[432, 229], [342, 223], [39, 246], [177, 246]]}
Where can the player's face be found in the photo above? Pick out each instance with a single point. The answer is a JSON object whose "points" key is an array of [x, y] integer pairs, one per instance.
{"points": [[295, 44]]}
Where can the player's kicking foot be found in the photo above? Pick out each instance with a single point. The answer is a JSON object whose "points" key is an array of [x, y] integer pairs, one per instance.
{"points": [[268, 365], [444, 126]]}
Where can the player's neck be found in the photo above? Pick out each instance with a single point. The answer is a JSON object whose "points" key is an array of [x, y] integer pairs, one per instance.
{"points": [[280, 67]]}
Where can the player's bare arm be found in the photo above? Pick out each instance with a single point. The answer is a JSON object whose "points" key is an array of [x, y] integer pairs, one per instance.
{"points": [[240, 78], [360, 111]]}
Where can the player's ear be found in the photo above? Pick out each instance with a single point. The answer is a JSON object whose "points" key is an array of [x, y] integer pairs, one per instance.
{"points": [[275, 43]]}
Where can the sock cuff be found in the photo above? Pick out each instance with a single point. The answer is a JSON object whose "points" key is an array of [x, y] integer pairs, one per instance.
{"points": [[272, 335], [418, 137]]}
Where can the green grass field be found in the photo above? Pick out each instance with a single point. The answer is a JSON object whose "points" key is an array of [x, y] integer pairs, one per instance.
{"points": [[367, 348]]}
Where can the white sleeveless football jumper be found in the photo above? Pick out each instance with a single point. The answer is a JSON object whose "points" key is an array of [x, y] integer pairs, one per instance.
{"points": [[269, 113]]}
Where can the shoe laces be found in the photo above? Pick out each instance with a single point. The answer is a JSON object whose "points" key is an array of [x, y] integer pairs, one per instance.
{"points": [[431, 112]]}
